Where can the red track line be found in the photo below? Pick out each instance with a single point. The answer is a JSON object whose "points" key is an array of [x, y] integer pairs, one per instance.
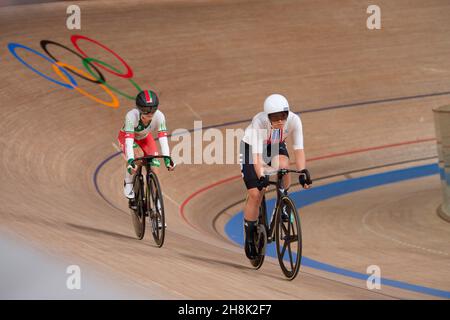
{"points": [[332, 155], [372, 149], [200, 191]]}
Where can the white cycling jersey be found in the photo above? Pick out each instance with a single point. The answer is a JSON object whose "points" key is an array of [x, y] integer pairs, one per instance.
{"points": [[260, 132], [134, 128]]}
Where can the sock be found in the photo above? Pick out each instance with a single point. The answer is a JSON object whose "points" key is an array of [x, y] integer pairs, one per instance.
{"points": [[250, 227]]}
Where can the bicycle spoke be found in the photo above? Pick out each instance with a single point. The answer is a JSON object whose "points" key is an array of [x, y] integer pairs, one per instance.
{"points": [[284, 228], [293, 238], [290, 257], [283, 250], [289, 226]]}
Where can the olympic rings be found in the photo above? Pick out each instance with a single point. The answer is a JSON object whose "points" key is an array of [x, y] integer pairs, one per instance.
{"points": [[44, 45], [12, 48], [114, 103], [63, 70], [87, 63], [74, 40]]}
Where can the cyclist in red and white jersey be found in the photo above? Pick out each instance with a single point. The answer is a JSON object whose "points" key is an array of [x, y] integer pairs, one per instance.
{"points": [[136, 132]]}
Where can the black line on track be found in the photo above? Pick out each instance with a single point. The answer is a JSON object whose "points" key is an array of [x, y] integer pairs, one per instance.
{"points": [[342, 106]]}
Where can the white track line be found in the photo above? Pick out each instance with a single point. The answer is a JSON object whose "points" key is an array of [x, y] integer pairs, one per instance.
{"points": [[192, 110], [403, 243], [173, 201]]}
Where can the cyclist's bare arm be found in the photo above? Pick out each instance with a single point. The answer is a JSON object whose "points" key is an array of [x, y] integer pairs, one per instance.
{"points": [[300, 159], [300, 162]]}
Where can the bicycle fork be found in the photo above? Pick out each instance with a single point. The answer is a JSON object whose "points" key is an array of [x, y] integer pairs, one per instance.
{"points": [[271, 227]]}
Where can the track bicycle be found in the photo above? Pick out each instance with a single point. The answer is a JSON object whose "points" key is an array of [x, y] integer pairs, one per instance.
{"points": [[284, 227], [148, 200]]}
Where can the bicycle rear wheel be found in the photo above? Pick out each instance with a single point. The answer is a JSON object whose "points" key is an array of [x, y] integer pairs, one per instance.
{"points": [[155, 206], [261, 236], [288, 236], [138, 215]]}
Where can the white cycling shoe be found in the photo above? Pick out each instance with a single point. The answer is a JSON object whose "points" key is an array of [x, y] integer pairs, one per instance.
{"points": [[128, 190]]}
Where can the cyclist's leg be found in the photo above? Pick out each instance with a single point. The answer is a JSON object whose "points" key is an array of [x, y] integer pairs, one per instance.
{"points": [[128, 178], [250, 178], [128, 189], [254, 197], [251, 211], [282, 162], [138, 152], [251, 208], [148, 146]]}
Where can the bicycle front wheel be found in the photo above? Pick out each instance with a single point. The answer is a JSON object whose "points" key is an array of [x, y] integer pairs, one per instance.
{"points": [[288, 236], [138, 215], [156, 209]]}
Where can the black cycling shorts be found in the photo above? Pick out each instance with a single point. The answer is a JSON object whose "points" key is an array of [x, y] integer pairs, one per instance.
{"points": [[246, 160]]}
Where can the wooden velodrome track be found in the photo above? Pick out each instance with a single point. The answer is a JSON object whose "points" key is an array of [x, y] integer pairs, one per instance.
{"points": [[365, 98]]}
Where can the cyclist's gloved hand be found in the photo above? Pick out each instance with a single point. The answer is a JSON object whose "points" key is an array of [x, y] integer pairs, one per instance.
{"points": [[263, 182], [155, 163], [305, 179], [131, 166], [170, 165]]}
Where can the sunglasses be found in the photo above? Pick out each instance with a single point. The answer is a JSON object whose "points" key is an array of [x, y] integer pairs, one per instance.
{"points": [[151, 111], [279, 116]]}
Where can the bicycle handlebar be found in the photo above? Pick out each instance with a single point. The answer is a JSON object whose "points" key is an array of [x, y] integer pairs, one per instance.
{"points": [[280, 173], [150, 157], [283, 172]]}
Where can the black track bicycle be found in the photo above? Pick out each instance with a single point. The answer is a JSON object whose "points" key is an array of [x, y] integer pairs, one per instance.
{"points": [[284, 228], [148, 201]]}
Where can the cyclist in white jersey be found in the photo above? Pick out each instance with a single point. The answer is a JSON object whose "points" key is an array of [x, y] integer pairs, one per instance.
{"points": [[263, 150], [136, 132]]}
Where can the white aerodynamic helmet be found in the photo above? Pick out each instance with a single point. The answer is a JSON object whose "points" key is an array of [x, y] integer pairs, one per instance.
{"points": [[275, 103]]}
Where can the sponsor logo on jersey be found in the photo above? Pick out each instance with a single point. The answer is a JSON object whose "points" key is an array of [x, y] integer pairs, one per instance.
{"points": [[275, 136]]}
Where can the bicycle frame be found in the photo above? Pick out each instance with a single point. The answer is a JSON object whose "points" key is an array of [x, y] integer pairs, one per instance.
{"points": [[140, 176], [146, 163], [276, 229], [270, 228], [149, 200]]}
